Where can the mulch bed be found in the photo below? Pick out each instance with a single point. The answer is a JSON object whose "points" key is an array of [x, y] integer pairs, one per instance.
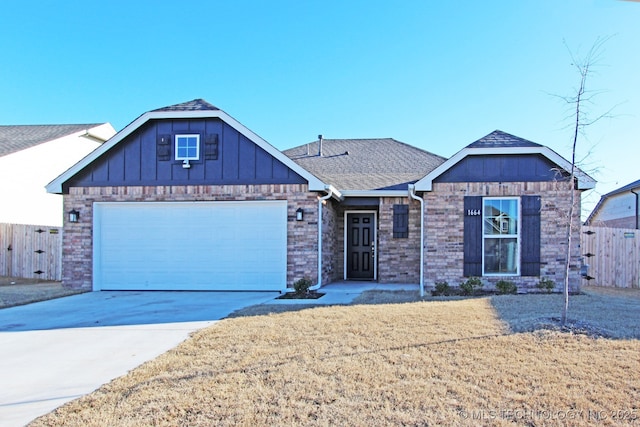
{"points": [[301, 295]]}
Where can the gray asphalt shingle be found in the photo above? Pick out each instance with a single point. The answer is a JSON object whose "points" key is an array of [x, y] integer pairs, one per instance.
{"points": [[194, 105], [14, 138], [365, 164], [497, 139]]}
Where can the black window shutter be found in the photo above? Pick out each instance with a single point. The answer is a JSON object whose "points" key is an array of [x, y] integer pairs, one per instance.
{"points": [[530, 236], [163, 147], [472, 236], [211, 146], [400, 221]]}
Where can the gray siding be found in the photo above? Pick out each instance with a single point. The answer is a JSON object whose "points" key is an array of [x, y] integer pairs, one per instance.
{"points": [[136, 160]]}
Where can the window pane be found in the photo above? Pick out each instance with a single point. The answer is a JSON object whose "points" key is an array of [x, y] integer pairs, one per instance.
{"points": [[500, 216], [500, 255], [187, 147]]}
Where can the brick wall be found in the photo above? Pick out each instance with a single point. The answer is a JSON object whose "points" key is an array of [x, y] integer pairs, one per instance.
{"points": [[331, 250], [444, 232], [398, 258], [77, 245]]}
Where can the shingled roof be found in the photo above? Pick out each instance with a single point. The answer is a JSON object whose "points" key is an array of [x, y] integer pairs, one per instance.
{"points": [[498, 139], [15, 138], [194, 105], [365, 164]]}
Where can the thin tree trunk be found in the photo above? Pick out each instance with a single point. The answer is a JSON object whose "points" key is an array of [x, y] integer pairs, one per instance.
{"points": [[584, 70]]}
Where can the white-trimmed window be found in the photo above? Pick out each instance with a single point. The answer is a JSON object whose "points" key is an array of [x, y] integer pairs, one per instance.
{"points": [[501, 236], [188, 147]]}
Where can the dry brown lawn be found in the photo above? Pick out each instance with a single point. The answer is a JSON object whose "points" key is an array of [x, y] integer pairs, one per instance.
{"points": [[19, 291], [481, 361]]}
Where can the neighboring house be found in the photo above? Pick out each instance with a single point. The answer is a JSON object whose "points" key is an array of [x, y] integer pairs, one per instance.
{"points": [[618, 209], [186, 197], [33, 155]]}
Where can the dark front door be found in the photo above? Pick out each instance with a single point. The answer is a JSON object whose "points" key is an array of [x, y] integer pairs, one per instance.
{"points": [[361, 246]]}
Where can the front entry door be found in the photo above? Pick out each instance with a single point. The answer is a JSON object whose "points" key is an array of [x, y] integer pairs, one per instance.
{"points": [[361, 246]]}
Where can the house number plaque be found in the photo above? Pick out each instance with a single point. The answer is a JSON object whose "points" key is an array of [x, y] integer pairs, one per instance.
{"points": [[474, 212]]}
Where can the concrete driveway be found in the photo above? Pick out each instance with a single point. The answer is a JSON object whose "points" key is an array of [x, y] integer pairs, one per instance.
{"points": [[55, 351]]}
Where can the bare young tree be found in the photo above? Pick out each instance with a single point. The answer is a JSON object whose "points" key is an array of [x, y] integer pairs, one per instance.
{"points": [[579, 117]]}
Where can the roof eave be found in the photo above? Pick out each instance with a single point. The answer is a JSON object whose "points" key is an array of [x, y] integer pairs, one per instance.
{"points": [[374, 193]]}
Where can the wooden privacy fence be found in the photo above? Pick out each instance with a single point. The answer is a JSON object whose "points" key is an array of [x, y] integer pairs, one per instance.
{"points": [[31, 251], [613, 255]]}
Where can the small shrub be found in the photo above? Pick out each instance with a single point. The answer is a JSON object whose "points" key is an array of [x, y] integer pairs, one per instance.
{"points": [[302, 286], [546, 285], [505, 287], [441, 288], [472, 285]]}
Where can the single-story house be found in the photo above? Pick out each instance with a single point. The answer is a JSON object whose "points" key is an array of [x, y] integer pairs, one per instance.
{"points": [[618, 208], [186, 197], [31, 156]]}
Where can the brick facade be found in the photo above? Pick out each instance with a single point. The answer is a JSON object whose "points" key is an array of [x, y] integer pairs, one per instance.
{"points": [[398, 258], [444, 232], [331, 249], [77, 244]]}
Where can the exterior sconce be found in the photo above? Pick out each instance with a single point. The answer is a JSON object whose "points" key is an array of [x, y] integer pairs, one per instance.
{"points": [[74, 215], [299, 214]]}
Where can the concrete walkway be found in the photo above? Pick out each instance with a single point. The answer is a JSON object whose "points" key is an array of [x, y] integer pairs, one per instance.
{"points": [[55, 351]]}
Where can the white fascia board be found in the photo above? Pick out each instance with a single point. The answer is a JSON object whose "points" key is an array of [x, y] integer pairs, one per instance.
{"points": [[315, 184], [585, 182], [426, 183], [375, 193]]}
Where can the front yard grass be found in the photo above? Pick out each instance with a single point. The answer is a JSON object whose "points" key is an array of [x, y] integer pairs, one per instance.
{"points": [[477, 361], [19, 291]]}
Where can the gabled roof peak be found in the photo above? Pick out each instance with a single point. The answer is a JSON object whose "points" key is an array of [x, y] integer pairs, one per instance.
{"points": [[498, 138], [198, 109], [193, 105], [502, 143]]}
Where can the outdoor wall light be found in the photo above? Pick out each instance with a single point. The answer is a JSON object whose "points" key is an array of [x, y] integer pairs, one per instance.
{"points": [[74, 215], [299, 214]]}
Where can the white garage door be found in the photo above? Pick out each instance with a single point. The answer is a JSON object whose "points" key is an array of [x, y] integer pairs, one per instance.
{"points": [[190, 245]]}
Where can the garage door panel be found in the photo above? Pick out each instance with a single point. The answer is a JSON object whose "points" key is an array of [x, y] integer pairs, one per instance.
{"points": [[190, 246]]}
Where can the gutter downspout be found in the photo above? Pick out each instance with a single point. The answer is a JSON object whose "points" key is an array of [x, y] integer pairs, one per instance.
{"points": [[93, 137], [321, 200], [637, 209], [412, 194]]}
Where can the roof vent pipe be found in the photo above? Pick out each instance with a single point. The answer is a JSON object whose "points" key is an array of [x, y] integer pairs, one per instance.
{"points": [[320, 145]]}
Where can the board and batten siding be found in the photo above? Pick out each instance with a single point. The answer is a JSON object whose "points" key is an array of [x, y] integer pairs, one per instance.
{"points": [[138, 160], [503, 168]]}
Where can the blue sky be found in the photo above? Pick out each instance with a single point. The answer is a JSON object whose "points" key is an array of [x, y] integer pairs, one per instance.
{"points": [[437, 75]]}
